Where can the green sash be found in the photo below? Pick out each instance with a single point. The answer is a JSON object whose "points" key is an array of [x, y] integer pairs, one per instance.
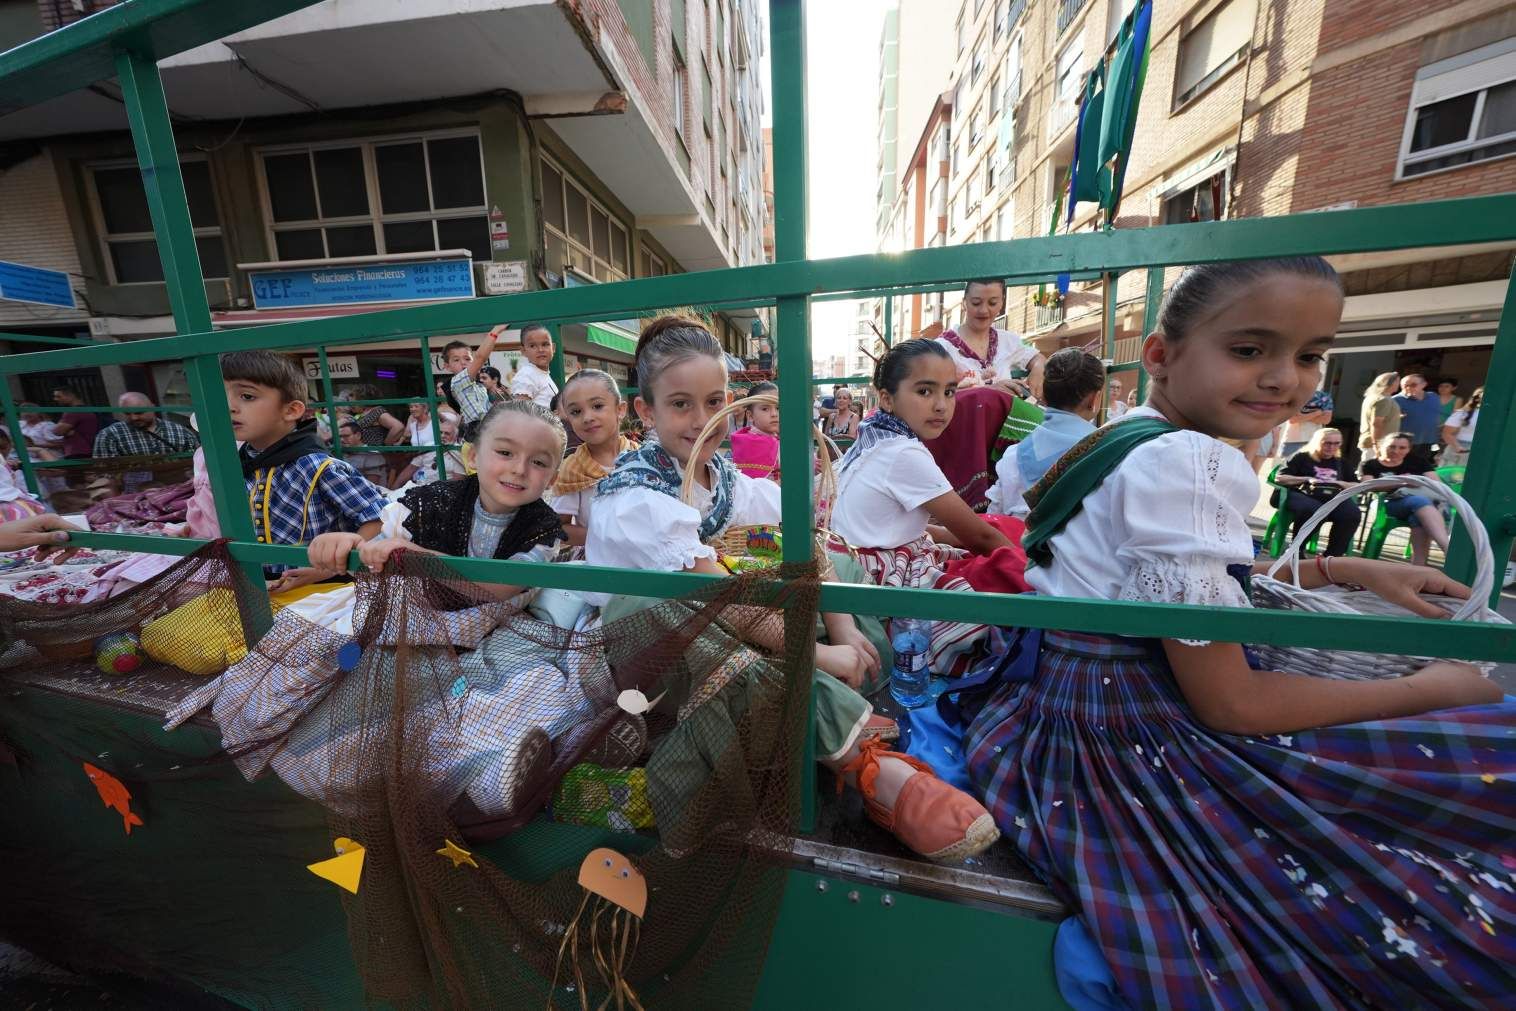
{"points": [[1060, 494]]}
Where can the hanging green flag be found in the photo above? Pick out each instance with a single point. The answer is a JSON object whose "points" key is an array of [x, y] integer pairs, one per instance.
{"points": [[1087, 160], [1123, 96]]}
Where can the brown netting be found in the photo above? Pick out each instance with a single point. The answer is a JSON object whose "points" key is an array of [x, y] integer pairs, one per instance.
{"points": [[450, 716]]}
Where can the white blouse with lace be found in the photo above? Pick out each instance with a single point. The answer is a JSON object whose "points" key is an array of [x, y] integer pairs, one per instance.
{"points": [[1163, 527], [639, 528]]}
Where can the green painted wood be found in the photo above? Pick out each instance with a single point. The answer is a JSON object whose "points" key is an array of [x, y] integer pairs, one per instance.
{"points": [[330, 401], [889, 322], [228, 486], [18, 439], [843, 946], [431, 408], [555, 367], [85, 52], [1464, 640], [153, 134], [792, 327], [1445, 222], [1490, 482], [1150, 307]]}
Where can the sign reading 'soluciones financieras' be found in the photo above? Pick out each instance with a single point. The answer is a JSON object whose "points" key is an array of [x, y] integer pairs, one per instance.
{"points": [[351, 284]]}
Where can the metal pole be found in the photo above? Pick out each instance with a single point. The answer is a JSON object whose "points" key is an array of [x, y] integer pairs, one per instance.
{"points": [[432, 403], [889, 322], [153, 134], [18, 438], [555, 367], [331, 401], [793, 355], [1490, 487], [1150, 309]]}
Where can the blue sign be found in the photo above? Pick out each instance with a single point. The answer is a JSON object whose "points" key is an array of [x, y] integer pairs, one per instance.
{"points": [[349, 284], [21, 283]]}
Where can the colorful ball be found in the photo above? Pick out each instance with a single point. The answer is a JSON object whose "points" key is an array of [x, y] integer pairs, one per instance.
{"points": [[118, 653]]}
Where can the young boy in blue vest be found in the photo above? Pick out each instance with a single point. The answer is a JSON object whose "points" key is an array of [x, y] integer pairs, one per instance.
{"points": [[295, 489]]}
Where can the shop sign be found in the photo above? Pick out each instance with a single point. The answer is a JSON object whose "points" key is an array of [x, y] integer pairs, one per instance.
{"points": [[337, 366], [505, 278], [20, 282], [350, 284]]}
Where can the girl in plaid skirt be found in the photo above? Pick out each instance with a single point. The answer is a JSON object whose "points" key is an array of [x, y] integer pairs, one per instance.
{"points": [[1234, 837]]}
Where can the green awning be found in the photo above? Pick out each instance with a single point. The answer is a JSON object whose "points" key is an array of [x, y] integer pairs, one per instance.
{"points": [[611, 337]]}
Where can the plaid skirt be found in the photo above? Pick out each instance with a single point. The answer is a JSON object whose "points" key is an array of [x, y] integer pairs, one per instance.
{"points": [[1365, 865], [956, 645]]}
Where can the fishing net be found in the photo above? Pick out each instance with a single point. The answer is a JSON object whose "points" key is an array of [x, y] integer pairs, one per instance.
{"points": [[434, 722]]}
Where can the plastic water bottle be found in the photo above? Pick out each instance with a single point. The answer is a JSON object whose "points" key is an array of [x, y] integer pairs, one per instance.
{"points": [[910, 639]]}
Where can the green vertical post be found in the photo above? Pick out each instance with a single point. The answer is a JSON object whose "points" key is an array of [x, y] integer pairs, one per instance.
{"points": [[431, 407], [555, 367], [331, 400], [889, 322], [18, 438], [793, 355], [1150, 307], [1489, 486], [228, 487], [153, 134]]}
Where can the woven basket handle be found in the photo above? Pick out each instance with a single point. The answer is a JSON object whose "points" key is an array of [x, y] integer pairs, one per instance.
{"points": [[826, 489], [1484, 577]]}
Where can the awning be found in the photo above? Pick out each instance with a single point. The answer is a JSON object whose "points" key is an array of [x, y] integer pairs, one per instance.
{"points": [[611, 337]]}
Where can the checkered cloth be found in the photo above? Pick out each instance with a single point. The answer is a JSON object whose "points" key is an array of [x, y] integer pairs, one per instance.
{"points": [[1367, 865], [342, 499], [919, 564], [122, 439], [287, 707], [473, 399]]}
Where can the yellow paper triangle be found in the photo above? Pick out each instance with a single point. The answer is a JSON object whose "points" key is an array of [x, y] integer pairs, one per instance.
{"points": [[344, 870]]}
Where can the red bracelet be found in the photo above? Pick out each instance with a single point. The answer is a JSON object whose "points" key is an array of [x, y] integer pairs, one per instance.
{"points": [[1322, 568]]}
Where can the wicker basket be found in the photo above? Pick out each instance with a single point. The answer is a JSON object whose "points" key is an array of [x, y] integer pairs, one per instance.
{"points": [[759, 543], [1274, 593]]}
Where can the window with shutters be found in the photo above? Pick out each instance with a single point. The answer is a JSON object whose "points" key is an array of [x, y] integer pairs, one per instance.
{"points": [[1463, 110], [1213, 47], [579, 231]]}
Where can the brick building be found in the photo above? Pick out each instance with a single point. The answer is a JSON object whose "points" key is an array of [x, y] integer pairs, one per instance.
{"points": [[1252, 107], [537, 143]]}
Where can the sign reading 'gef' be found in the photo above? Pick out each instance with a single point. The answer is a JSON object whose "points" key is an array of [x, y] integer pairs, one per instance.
{"points": [[351, 284]]}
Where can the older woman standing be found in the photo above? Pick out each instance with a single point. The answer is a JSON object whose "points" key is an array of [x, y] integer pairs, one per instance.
{"points": [[986, 356], [843, 424], [1380, 416], [1313, 476]]}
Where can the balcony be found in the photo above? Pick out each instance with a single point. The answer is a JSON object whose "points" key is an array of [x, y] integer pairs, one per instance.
{"points": [[1049, 316], [1067, 11]]}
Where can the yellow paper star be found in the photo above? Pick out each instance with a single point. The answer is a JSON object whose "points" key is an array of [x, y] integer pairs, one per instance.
{"points": [[1487, 778], [457, 854]]}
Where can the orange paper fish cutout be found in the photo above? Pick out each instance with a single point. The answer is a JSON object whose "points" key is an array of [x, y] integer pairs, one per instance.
{"points": [[113, 794]]}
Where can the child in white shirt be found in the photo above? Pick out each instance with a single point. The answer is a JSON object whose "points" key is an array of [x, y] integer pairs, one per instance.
{"points": [[532, 381], [1071, 393]]}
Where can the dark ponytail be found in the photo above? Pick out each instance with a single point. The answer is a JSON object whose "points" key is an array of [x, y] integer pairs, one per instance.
{"points": [[1200, 286], [895, 366]]}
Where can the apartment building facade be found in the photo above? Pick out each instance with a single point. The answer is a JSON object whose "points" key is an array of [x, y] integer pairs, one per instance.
{"points": [[527, 144], [1251, 107]]}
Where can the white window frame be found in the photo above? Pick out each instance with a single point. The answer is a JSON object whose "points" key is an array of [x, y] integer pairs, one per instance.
{"points": [[103, 238], [1476, 71], [376, 217], [591, 205], [681, 84]]}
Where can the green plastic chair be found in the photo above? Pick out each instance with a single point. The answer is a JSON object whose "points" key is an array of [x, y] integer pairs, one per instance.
{"points": [[1383, 522], [1277, 533]]}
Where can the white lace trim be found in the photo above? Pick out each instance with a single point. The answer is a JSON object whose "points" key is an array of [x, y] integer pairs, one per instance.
{"points": [[1196, 580], [673, 557]]}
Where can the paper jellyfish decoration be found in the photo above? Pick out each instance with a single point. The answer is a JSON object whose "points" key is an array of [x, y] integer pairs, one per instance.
{"points": [[615, 923]]}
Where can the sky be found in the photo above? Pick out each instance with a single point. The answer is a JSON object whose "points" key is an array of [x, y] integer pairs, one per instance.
{"points": [[842, 89]]}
